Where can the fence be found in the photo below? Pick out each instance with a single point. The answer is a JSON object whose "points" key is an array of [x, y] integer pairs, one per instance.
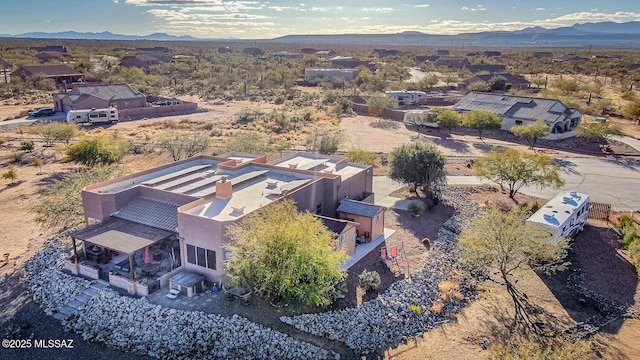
{"points": [[157, 111], [599, 211]]}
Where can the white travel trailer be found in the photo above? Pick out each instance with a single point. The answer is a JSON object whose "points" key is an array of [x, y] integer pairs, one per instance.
{"points": [[407, 97], [564, 215], [93, 116]]}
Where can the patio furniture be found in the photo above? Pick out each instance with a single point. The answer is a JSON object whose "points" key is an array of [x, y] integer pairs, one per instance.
{"points": [[384, 257]]}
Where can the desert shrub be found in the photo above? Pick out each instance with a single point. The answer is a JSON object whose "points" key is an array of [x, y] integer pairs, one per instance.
{"points": [[26, 145], [3, 140], [361, 156], [539, 349], [534, 207], [415, 208], [16, 156], [328, 144], [634, 250], [11, 174], [248, 115], [369, 280], [416, 309], [437, 307], [450, 290], [626, 221]]}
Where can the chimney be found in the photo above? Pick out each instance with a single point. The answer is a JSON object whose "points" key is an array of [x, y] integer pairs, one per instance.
{"points": [[223, 188]]}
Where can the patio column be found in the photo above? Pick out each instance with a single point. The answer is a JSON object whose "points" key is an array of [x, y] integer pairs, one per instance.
{"points": [[75, 251], [132, 272]]}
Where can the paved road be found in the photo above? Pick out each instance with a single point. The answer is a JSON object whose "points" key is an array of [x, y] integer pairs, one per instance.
{"points": [[615, 182]]}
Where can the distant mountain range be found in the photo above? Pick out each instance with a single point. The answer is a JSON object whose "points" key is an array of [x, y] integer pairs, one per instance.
{"points": [[601, 34]]}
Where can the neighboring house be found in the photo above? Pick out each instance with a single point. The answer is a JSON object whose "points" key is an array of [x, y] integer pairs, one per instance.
{"points": [[516, 81], [382, 53], [564, 215], [253, 51], [442, 52], [143, 61], [287, 54], [346, 62], [325, 52], [426, 58], [83, 97], [330, 74], [569, 57], [190, 204], [308, 51], [46, 56], [52, 48], [490, 53], [370, 217], [520, 110], [225, 50], [452, 62], [542, 54], [490, 68], [61, 74]]}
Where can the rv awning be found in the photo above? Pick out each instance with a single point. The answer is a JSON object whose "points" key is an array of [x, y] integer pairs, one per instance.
{"points": [[121, 235]]}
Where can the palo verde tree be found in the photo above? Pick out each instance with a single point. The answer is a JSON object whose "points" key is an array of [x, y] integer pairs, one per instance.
{"points": [[285, 255], [418, 164], [55, 131], [532, 132], [449, 119], [361, 156], [379, 104], [502, 243], [92, 151], [514, 169], [481, 120], [184, 144], [249, 142], [597, 132], [632, 111]]}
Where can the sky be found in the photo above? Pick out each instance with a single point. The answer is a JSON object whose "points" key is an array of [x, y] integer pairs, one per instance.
{"points": [[256, 19]]}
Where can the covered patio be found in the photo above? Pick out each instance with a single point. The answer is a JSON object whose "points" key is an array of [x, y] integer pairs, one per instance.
{"points": [[131, 256]]}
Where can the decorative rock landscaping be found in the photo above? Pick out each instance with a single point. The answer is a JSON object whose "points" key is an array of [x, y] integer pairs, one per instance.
{"points": [[133, 324], [388, 320]]}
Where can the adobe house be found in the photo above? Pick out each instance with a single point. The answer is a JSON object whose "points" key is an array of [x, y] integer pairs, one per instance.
{"points": [[61, 74], [145, 227], [370, 217], [516, 81], [143, 61], [85, 96]]}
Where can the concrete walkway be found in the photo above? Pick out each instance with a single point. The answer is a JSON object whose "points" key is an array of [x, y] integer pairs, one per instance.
{"points": [[363, 249], [634, 143]]}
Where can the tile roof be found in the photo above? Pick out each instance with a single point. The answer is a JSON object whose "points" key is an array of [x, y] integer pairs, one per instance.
{"points": [[108, 91], [358, 208], [151, 212], [51, 70], [518, 107]]}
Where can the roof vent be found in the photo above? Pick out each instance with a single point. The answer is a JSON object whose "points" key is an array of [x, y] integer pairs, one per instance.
{"points": [[238, 210]]}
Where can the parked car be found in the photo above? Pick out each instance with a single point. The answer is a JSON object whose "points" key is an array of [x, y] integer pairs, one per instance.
{"points": [[43, 112]]}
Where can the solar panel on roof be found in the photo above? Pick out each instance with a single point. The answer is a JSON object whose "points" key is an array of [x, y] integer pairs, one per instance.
{"points": [[198, 184], [183, 180], [173, 175]]}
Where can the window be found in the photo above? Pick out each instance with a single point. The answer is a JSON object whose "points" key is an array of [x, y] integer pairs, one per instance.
{"points": [[342, 238], [378, 218], [211, 259], [202, 260], [518, 122], [191, 254]]}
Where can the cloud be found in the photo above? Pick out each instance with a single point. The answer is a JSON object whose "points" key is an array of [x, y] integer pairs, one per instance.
{"points": [[477, 8], [378, 9], [116, 1], [422, 6], [464, 8], [540, 9]]}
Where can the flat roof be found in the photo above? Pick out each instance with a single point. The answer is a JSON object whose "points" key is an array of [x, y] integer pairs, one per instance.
{"points": [[260, 188], [557, 211], [321, 163]]}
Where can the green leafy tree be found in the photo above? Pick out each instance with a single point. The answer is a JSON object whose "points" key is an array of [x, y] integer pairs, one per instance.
{"points": [[539, 81], [532, 132], [285, 255], [11, 174], [481, 120], [26, 145], [632, 111], [502, 243], [514, 169], [449, 119], [60, 207], [94, 151], [419, 165], [479, 86], [598, 132], [429, 81], [498, 82], [183, 144], [361, 156], [379, 104]]}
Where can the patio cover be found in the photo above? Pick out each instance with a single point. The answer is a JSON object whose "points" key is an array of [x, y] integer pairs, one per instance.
{"points": [[121, 235]]}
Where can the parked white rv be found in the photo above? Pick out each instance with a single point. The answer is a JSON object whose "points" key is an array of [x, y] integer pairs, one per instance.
{"points": [[564, 215], [407, 97], [93, 116]]}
